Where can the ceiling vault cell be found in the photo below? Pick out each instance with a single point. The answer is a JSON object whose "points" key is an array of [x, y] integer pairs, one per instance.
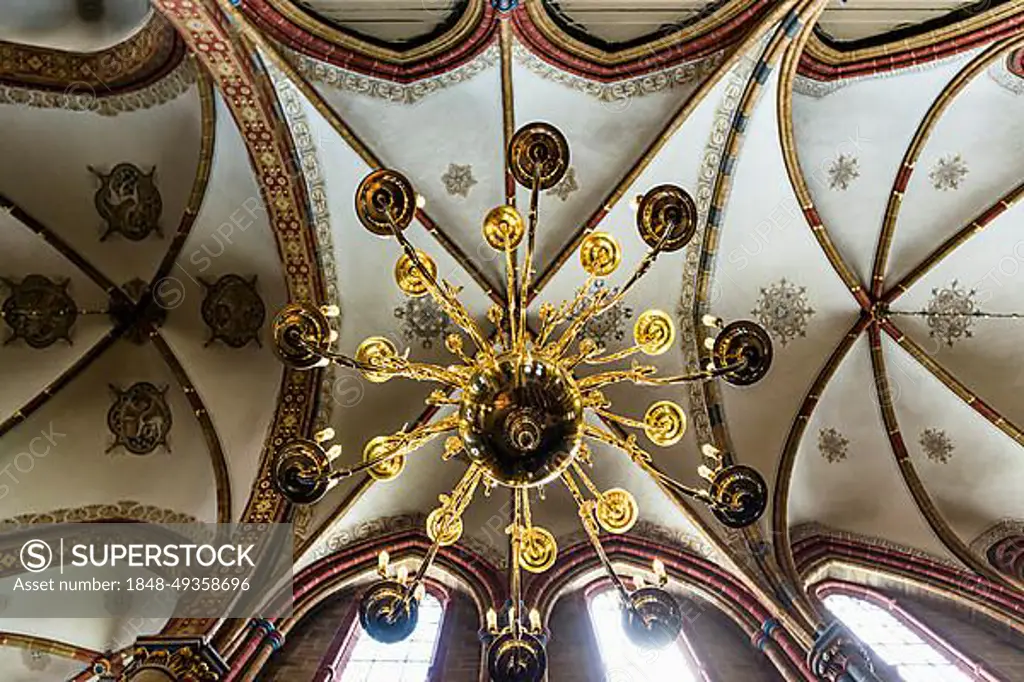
{"points": [[364, 152], [681, 114], [213, 444], [136, 312], [950, 245], [976, 66], [246, 90], [800, 16], [795, 172], [787, 462], [922, 499]]}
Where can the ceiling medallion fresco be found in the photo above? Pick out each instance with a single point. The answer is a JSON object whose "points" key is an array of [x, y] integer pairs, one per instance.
{"points": [[566, 186], [521, 395], [843, 171], [783, 310], [832, 445], [129, 201], [140, 418], [610, 325], [35, 660], [948, 173], [39, 310], [233, 310], [458, 180], [936, 445], [423, 322], [951, 312]]}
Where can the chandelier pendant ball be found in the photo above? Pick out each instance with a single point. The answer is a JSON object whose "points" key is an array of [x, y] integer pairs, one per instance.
{"points": [[521, 420], [652, 618], [387, 612], [538, 151], [521, 658], [302, 472]]}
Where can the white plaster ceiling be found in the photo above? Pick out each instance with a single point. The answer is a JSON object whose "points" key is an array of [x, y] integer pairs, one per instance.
{"points": [[57, 23]]}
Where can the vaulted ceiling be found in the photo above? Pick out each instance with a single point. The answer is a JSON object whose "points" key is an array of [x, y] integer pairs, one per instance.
{"points": [[861, 209]]}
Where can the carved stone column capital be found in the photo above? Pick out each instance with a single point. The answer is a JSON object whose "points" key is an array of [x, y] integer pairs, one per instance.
{"points": [[838, 656], [175, 659]]}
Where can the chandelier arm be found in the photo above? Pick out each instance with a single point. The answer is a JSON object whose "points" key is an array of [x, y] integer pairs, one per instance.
{"points": [[512, 293], [688, 378], [531, 241], [408, 443], [586, 513], [418, 371], [461, 497], [601, 303], [642, 268], [515, 571], [634, 374], [627, 445], [614, 357], [441, 293], [618, 419], [695, 493], [588, 483]]}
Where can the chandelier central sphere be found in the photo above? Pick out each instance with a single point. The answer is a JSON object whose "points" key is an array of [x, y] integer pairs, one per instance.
{"points": [[521, 420], [526, 404]]}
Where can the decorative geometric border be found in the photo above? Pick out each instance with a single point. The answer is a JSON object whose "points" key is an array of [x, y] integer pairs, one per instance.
{"points": [[542, 35], [248, 94], [125, 510], [144, 58], [321, 41], [407, 93], [82, 97], [826, 63]]}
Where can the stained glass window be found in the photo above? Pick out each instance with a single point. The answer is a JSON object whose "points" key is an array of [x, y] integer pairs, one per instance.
{"points": [[625, 661], [405, 661], [915, 658]]}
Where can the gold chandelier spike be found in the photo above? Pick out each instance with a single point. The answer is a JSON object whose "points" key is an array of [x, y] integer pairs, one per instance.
{"points": [[600, 254], [378, 448], [665, 423], [409, 278], [617, 511], [503, 226]]}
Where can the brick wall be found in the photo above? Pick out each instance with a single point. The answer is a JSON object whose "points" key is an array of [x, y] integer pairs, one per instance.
{"points": [[306, 644], [723, 649], [572, 651]]}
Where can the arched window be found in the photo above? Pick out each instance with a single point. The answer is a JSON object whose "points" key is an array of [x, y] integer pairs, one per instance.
{"points": [[405, 661], [895, 638], [624, 660]]}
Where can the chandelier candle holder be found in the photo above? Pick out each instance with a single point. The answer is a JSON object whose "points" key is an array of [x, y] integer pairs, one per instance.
{"points": [[522, 397]]}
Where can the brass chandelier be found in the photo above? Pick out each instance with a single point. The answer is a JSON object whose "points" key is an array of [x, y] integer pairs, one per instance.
{"points": [[521, 399]]}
